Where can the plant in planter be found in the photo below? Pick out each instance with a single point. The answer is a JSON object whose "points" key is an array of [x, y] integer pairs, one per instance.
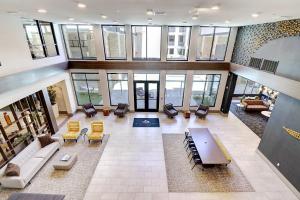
{"points": [[52, 96]]}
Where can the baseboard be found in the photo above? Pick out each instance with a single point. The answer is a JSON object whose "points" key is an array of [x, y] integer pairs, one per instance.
{"points": [[278, 173]]}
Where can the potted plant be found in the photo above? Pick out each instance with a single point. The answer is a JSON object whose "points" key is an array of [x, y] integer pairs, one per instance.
{"points": [[52, 96]]}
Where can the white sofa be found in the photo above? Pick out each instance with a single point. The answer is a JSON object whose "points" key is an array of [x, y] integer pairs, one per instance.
{"points": [[30, 161]]}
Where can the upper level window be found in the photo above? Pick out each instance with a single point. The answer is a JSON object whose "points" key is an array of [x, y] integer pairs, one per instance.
{"points": [[212, 43], [114, 42], [146, 42], [178, 42], [41, 39], [80, 41]]}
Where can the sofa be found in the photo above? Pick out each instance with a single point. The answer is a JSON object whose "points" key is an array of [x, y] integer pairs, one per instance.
{"points": [[255, 105], [170, 111], [30, 161], [121, 110]]}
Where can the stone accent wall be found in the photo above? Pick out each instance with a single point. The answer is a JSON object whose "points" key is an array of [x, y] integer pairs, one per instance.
{"points": [[251, 38]]}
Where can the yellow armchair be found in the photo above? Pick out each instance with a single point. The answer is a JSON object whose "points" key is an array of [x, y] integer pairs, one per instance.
{"points": [[73, 131], [96, 133]]}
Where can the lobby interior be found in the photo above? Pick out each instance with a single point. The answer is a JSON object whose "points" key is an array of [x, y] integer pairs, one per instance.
{"points": [[127, 100]]}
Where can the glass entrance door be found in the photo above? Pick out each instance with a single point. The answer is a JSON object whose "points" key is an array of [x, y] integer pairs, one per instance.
{"points": [[146, 95]]}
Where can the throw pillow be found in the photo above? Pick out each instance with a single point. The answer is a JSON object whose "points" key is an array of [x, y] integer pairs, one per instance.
{"points": [[45, 140], [12, 170]]}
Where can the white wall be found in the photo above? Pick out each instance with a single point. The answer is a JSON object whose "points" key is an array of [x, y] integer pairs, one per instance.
{"points": [[187, 91], [14, 50]]}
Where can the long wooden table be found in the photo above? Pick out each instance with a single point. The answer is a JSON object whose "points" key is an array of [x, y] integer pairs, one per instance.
{"points": [[209, 151]]}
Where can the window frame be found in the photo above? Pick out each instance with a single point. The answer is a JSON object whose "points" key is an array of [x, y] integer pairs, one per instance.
{"points": [[103, 25], [107, 74], [175, 81], [212, 43], [86, 81], [146, 59], [205, 82], [42, 39], [79, 40], [188, 46]]}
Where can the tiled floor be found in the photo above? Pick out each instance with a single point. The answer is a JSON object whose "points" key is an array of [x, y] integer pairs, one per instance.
{"points": [[132, 165]]}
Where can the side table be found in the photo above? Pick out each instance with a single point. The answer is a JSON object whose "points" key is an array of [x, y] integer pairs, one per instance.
{"points": [[187, 114], [106, 111]]}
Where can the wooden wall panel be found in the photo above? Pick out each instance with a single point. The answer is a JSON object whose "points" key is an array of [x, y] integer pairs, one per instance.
{"points": [[149, 65]]}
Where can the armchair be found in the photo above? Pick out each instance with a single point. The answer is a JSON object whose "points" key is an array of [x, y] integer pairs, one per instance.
{"points": [[96, 133], [73, 132], [121, 110], [170, 111], [202, 111], [89, 110]]}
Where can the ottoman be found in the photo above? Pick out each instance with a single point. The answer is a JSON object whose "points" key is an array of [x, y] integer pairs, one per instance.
{"points": [[65, 165]]}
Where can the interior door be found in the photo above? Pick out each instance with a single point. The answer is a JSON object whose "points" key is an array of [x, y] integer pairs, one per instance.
{"points": [[146, 96]]}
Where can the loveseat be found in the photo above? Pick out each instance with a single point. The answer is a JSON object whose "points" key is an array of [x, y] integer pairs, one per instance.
{"points": [[30, 161], [255, 105]]}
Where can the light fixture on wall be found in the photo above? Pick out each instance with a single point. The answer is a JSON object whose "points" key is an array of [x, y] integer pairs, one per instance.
{"points": [[194, 17], [255, 15], [81, 5], [71, 19], [150, 12], [103, 16], [227, 22], [42, 11], [216, 7]]}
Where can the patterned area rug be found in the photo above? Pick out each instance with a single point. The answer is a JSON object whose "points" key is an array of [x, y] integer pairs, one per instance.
{"points": [[146, 122], [254, 120], [182, 179], [72, 183]]}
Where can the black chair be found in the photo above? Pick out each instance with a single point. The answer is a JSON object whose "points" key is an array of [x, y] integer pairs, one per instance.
{"points": [[197, 161], [170, 110], [186, 136], [202, 111], [121, 110], [89, 110]]}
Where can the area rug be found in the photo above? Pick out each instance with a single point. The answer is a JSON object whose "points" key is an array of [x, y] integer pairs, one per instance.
{"points": [[182, 179], [72, 183], [254, 120], [146, 122], [35, 196]]}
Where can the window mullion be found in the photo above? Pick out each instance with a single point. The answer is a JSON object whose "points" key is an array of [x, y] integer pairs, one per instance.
{"points": [[41, 38], [79, 42], [212, 43]]}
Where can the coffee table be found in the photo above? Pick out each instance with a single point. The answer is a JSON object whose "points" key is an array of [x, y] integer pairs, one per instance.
{"points": [[65, 165]]}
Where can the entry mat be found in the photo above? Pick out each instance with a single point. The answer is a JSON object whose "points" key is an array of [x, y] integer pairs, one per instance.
{"points": [[146, 122]]}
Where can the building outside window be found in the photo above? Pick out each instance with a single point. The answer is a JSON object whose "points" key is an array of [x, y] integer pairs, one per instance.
{"points": [[80, 41], [178, 39], [118, 88], [212, 43], [205, 89], [174, 90], [146, 42], [114, 42], [41, 38], [87, 90], [246, 87]]}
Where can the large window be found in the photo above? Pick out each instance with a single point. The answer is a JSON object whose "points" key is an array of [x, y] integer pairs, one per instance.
{"points": [[205, 89], [212, 43], [114, 42], [41, 39], [80, 41], [118, 88], [174, 90], [87, 88], [246, 87], [178, 43], [146, 42]]}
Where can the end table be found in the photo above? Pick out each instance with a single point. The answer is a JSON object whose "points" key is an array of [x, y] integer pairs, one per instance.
{"points": [[187, 114], [106, 111]]}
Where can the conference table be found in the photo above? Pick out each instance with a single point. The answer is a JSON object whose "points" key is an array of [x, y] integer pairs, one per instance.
{"points": [[208, 149]]}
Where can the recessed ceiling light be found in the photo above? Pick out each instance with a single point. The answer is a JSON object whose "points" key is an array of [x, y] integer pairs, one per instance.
{"points": [[71, 19], [227, 21], [255, 15], [81, 5], [215, 8], [103, 16], [42, 10], [150, 12], [184, 22], [202, 9], [194, 17], [149, 19]]}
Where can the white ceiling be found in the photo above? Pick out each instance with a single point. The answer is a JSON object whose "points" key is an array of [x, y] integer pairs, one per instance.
{"points": [[237, 12]]}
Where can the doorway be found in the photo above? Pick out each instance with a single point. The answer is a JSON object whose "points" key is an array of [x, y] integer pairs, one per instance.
{"points": [[146, 96]]}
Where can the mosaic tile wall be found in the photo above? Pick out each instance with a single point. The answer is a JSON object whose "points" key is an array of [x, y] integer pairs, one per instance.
{"points": [[251, 38]]}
